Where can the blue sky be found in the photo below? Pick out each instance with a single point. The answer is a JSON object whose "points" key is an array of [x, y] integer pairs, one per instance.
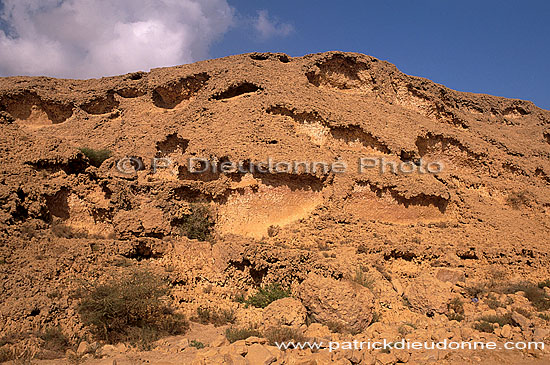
{"points": [[495, 47]]}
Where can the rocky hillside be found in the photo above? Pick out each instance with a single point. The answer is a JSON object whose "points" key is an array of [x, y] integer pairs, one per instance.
{"points": [[427, 217]]}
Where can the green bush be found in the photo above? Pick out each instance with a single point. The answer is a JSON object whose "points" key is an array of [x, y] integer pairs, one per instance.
{"points": [[96, 157], [198, 225], [235, 334], [266, 295], [130, 309], [196, 344]]}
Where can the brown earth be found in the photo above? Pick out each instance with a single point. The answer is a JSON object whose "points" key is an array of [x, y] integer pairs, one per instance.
{"points": [[424, 242]]}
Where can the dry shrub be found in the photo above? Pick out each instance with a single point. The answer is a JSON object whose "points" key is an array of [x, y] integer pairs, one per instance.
{"points": [[29, 230], [63, 231], [280, 334], [339, 327], [199, 223], [456, 310], [484, 326], [130, 309], [534, 293], [217, 317], [502, 320], [235, 334], [496, 281], [54, 344], [18, 348], [272, 231], [362, 278], [362, 248], [517, 199]]}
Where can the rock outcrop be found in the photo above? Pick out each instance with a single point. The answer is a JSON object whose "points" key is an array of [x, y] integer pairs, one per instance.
{"points": [[384, 206]]}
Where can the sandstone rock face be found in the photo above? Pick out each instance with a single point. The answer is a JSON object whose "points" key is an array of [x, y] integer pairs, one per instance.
{"points": [[334, 301], [428, 294], [69, 220], [286, 312]]}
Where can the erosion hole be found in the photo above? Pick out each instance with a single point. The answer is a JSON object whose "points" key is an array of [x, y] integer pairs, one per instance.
{"points": [[266, 56], [172, 143], [100, 104], [237, 90], [58, 205], [339, 72], [169, 95], [32, 109], [130, 92]]}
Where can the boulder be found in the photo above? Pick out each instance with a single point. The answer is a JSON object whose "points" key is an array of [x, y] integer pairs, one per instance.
{"points": [[336, 301], [286, 312], [258, 354], [428, 294], [506, 331], [523, 321], [83, 348]]}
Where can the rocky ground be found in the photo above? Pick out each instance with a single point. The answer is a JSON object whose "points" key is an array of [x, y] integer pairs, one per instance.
{"points": [[252, 258]]}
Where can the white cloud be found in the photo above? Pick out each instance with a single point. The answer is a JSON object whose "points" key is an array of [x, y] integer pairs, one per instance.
{"points": [[268, 28], [82, 38]]}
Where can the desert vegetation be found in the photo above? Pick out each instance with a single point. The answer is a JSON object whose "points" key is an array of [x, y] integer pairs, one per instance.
{"points": [[131, 309], [96, 156], [198, 224], [266, 295]]}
